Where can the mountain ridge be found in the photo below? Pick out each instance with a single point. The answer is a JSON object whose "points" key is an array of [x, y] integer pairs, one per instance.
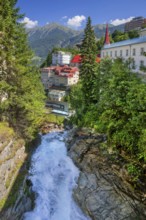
{"points": [[45, 38]]}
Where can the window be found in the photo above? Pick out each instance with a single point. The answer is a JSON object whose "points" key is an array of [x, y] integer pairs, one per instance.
{"points": [[115, 53], [141, 51], [120, 53], [141, 63], [134, 52], [106, 53], [103, 54], [127, 52], [133, 64], [111, 53]]}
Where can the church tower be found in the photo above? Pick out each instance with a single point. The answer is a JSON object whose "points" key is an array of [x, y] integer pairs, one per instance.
{"points": [[107, 38]]}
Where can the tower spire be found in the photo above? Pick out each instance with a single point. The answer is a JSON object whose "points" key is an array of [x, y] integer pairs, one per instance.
{"points": [[107, 39]]}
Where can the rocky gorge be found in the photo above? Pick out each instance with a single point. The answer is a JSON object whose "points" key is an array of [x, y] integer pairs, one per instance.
{"points": [[103, 191], [16, 196]]}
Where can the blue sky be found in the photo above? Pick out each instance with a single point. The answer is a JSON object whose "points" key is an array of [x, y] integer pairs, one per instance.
{"points": [[74, 13]]}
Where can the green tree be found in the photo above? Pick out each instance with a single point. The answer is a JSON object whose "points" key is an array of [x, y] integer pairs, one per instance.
{"points": [[100, 44], [88, 67], [21, 91], [133, 34], [122, 108], [48, 60], [119, 35], [77, 103]]}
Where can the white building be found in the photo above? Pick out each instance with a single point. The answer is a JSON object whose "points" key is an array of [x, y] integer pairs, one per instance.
{"points": [[59, 76], [133, 48], [66, 76], [56, 95], [61, 58], [47, 76]]}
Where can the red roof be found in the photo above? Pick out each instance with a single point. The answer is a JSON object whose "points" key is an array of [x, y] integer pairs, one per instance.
{"points": [[65, 71], [77, 59]]}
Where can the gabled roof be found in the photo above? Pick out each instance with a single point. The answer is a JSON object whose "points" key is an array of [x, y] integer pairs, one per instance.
{"points": [[126, 42]]}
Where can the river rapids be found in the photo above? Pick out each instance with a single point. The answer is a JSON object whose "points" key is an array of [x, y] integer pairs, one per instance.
{"points": [[53, 176]]}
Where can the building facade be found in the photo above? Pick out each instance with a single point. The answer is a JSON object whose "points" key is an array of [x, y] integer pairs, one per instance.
{"points": [[135, 24], [59, 76], [56, 95], [133, 48], [47, 74], [61, 58]]}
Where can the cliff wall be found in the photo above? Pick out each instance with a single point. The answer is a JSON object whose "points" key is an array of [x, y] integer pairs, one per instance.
{"points": [[104, 191]]}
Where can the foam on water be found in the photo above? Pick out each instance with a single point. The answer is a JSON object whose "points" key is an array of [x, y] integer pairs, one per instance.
{"points": [[53, 176]]}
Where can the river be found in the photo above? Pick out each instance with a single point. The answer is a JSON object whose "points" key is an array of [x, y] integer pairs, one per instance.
{"points": [[53, 176]]}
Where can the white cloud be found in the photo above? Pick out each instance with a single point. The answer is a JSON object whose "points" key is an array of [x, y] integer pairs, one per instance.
{"points": [[64, 17], [76, 21], [120, 21], [29, 23]]}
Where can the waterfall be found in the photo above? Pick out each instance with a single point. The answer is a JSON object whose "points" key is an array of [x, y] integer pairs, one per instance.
{"points": [[53, 176]]}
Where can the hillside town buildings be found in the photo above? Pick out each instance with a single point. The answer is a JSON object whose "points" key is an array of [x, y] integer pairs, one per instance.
{"points": [[60, 78], [64, 72]]}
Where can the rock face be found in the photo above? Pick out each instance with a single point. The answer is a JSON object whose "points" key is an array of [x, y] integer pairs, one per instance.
{"points": [[102, 192], [16, 211], [14, 199]]}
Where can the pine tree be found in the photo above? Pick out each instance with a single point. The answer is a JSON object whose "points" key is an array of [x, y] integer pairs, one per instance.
{"points": [[88, 66], [21, 92]]}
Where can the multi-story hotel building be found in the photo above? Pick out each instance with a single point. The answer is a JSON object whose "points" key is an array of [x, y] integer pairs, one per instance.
{"points": [[59, 76], [135, 24], [132, 48]]}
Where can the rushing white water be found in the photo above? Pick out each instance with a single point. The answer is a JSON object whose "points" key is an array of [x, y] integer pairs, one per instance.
{"points": [[53, 176]]}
